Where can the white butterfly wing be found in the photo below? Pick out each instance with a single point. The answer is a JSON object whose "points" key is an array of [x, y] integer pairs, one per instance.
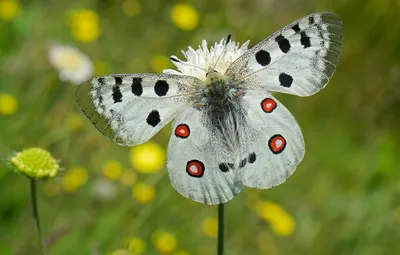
{"points": [[276, 146], [298, 59], [131, 108], [195, 156]]}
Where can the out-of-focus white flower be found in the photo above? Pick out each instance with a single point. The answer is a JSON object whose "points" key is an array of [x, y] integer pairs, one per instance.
{"points": [[73, 65], [103, 190], [206, 58]]}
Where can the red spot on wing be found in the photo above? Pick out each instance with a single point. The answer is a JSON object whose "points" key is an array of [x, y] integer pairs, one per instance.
{"points": [[277, 144], [182, 131], [195, 168], [268, 105]]}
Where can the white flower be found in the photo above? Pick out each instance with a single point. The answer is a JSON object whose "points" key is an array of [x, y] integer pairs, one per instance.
{"points": [[73, 65], [205, 58]]}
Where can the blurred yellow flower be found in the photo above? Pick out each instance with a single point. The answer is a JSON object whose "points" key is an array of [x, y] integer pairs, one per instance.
{"points": [[51, 189], [74, 179], [8, 104], [112, 169], [184, 16], [128, 177], [148, 158], [36, 163], [210, 226], [9, 9], [282, 223], [136, 246], [164, 242], [143, 193], [180, 252], [74, 122], [131, 7], [84, 24], [159, 63]]}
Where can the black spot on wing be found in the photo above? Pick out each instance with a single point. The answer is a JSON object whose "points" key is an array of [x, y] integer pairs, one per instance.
{"points": [[118, 80], [223, 167], [252, 158], [101, 80], [243, 163], [305, 40], [117, 95], [311, 20], [296, 28], [136, 86], [283, 43], [161, 88], [286, 80], [263, 57], [153, 118]]}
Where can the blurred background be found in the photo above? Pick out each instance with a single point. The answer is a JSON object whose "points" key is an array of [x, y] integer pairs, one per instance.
{"points": [[344, 197]]}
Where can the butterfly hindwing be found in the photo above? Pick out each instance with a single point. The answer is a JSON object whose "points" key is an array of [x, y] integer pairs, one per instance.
{"points": [[195, 160], [130, 108], [298, 59], [275, 145]]}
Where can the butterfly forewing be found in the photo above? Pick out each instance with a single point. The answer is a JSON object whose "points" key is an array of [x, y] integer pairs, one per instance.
{"points": [[299, 59], [130, 108]]}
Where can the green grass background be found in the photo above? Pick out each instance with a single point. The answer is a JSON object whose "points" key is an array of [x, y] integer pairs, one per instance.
{"points": [[344, 195]]}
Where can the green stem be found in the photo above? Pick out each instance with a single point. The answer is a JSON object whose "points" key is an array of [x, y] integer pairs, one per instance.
{"points": [[220, 229], [36, 214]]}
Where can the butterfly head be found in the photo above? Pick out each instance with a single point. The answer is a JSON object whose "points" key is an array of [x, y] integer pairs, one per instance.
{"points": [[211, 72]]}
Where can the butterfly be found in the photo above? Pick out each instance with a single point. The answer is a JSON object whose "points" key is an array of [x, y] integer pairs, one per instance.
{"points": [[229, 131]]}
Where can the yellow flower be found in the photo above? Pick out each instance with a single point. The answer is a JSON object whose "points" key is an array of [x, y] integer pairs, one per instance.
{"points": [[84, 25], [36, 163], [131, 8], [164, 242], [210, 226], [282, 223], [184, 16], [148, 158], [51, 189], [136, 246], [8, 104], [128, 177], [112, 169], [74, 179], [159, 63], [74, 122], [143, 193], [181, 253], [9, 9]]}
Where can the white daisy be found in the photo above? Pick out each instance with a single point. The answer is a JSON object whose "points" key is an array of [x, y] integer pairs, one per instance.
{"points": [[205, 59], [73, 65]]}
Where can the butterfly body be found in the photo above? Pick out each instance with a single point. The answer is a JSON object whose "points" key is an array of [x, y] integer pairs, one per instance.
{"points": [[228, 129]]}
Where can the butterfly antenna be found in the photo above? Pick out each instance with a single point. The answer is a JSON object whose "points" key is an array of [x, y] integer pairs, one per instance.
{"points": [[183, 63], [228, 39]]}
